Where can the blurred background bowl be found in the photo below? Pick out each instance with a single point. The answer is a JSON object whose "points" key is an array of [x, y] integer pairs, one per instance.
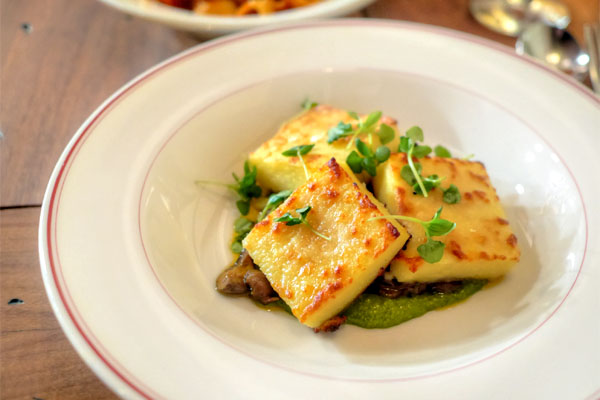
{"points": [[207, 26]]}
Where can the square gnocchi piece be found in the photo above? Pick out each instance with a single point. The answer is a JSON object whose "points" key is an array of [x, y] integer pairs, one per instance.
{"points": [[316, 277], [277, 172], [482, 246]]}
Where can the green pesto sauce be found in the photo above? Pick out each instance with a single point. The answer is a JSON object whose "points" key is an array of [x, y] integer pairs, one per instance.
{"points": [[371, 311]]}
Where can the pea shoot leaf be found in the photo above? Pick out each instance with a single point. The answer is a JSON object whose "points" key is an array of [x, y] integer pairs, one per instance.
{"points": [[407, 174], [298, 150], [441, 151], [421, 151], [382, 154], [440, 227], [437, 226], [369, 164], [303, 212], [308, 104], [274, 201], [363, 148], [247, 187], [353, 115], [386, 133], [341, 130], [243, 206], [432, 251], [237, 247], [242, 225], [415, 133], [371, 120], [277, 198], [405, 144], [289, 219], [431, 182], [451, 195], [354, 161]]}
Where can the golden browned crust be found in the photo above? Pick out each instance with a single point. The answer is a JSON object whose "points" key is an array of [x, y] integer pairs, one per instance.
{"points": [[481, 246], [315, 276]]}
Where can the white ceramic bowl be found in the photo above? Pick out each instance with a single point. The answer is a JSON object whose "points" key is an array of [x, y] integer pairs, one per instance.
{"points": [[211, 26], [130, 247]]}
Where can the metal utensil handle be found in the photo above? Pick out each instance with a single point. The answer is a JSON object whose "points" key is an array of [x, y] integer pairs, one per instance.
{"points": [[592, 41]]}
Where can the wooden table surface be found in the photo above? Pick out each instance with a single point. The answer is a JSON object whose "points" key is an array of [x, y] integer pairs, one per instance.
{"points": [[59, 60]]}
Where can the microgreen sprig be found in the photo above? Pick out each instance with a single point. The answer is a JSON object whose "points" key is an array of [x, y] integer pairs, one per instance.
{"points": [[274, 201], [411, 173], [433, 250], [245, 187], [430, 182], [451, 195], [307, 104], [407, 145], [342, 130], [370, 159], [303, 212], [242, 226], [441, 151], [299, 151]]}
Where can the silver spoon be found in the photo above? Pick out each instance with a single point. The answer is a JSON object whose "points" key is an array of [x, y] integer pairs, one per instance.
{"points": [[510, 17], [556, 47]]}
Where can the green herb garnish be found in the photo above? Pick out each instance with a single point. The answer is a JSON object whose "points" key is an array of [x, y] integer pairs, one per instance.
{"points": [[366, 159], [299, 151], [407, 174], [441, 151], [415, 133], [303, 212], [237, 247], [433, 250], [307, 104], [431, 182], [245, 187], [354, 161], [342, 130], [407, 145], [242, 226], [274, 201], [386, 133], [451, 195], [411, 173], [339, 131], [370, 159], [382, 154], [421, 151]]}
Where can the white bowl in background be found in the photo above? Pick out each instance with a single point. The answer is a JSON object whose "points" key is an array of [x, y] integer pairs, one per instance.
{"points": [[207, 26]]}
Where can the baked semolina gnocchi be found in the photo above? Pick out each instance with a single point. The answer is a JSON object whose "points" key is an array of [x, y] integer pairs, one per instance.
{"points": [[346, 220]]}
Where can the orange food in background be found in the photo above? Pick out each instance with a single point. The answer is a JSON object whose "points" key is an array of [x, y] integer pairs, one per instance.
{"points": [[188, 4], [237, 7]]}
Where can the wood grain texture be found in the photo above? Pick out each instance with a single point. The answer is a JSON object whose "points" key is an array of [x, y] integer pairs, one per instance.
{"points": [[36, 359], [76, 55]]}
